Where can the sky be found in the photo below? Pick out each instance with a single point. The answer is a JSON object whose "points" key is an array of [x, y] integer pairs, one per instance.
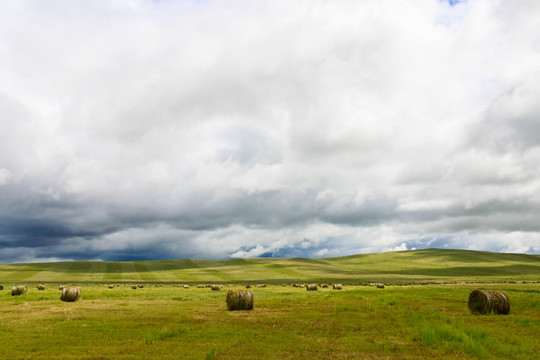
{"points": [[213, 129]]}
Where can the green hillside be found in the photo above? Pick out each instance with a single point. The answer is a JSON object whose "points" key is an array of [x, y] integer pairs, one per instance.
{"points": [[434, 265]]}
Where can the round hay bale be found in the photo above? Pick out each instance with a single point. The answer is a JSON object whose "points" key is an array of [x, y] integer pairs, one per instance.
{"points": [[111, 286], [380, 286], [186, 286], [311, 287], [216, 287], [18, 290], [140, 286], [134, 287], [484, 302], [239, 300], [248, 286], [200, 286], [337, 287], [71, 294], [1, 287], [41, 287]]}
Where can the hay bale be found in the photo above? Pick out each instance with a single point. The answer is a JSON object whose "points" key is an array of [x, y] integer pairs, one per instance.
{"points": [[337, 287], [239, 300], [134, 287], [140, 286], [1, 287], [111, 286], [18, 290], [324, 286], [487, 301], [200, 286], [311, 287], [380, 286], [216, 287], [248, 286], [186, 286], [71, 294], [41, 287]]}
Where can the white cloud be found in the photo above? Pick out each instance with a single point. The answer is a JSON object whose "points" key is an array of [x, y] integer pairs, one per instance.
{"points": [[213, 129]]}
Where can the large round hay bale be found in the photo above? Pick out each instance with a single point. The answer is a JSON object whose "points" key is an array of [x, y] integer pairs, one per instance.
{"points": [[201, 286], [337, 287], [134, 287], [248, 286], [1, 287], [311, 287], [41, 287], [71, 294], [216, 287], [186, 286], [487, 301], [380, 286], [111, 286], [239, 300], [18, 290]]}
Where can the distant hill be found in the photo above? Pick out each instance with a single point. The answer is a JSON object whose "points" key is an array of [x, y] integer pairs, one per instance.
{"points": [[432, 265]]}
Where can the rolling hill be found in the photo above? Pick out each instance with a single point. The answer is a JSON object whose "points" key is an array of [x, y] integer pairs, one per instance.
{"points": [[434, 265]]}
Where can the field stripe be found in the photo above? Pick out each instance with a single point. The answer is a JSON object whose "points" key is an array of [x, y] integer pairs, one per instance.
{"points": [[144, 273], [130, 271], [23, 272], [113, 272]]}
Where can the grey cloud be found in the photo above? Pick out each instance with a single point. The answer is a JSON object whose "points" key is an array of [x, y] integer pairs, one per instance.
{"points": [[154, 130]]}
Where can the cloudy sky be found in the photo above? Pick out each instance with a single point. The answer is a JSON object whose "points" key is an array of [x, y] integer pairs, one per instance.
{"points": [[143, 129]]}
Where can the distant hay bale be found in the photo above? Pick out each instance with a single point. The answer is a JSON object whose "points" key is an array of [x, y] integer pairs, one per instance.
{"points": [[71, 294], [41, 287], [201, 286], [140, 286], [186, 286], [1, 287], [239, 300], [216, 287], [324, 286], [111, 286], [261, 285], [311, 287], [134, 287], [486, 301], [248, 286], [18, 290], [380, 286], [337, 287]]}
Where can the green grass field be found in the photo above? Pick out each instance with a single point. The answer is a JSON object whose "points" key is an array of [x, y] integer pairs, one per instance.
{"points": [[432, 265], [359, 322]]}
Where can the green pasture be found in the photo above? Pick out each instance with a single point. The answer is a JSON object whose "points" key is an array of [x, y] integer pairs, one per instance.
{"points": [[358, 322], [421, 313], [432, 265]]}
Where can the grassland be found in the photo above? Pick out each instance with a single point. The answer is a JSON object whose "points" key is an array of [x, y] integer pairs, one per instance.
{"points": [[162, 321], [432, 265]]}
